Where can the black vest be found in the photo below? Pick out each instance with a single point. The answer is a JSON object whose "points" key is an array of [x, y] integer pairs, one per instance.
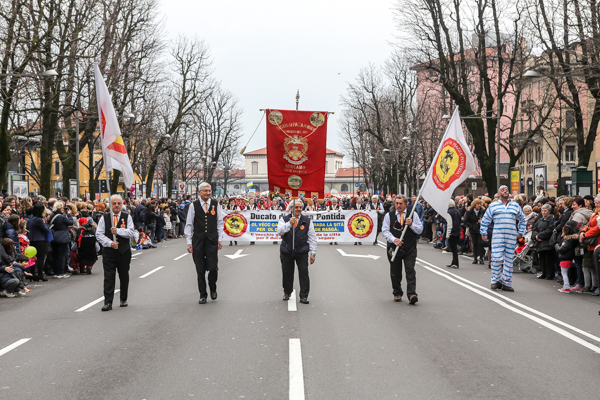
{"points": [[124, 243], [301, 242], [410, 238], [205, 224]]}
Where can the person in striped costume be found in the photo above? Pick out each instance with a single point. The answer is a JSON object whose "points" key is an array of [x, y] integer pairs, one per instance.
{"points": [[505, 213]]}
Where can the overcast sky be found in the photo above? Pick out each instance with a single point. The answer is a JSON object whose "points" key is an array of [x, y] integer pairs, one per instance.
{"points": [[264, 51]]}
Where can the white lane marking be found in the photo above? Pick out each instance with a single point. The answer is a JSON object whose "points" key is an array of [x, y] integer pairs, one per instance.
{"points": [[523, 306], [151, 272], [292, 305], [13, 346], [342, 252], [540, 321], [181, 256], [296, 373], [238, 254], [93, 303], [136, 254]]}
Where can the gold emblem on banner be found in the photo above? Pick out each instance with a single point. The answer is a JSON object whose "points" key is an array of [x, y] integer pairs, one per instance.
{"points": [[295, 149], [275, 117], [317, 119], [294, 181]]}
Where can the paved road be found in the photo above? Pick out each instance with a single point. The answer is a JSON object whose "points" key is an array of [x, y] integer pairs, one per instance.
{"points": [[351, 342]]}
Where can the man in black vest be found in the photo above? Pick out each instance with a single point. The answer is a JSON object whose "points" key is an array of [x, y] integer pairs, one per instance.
{"points": [[393, 224], [295, 246], [204, 233], [114, 233]]}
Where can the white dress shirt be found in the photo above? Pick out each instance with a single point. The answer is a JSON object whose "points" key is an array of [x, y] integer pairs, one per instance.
{"points": [[416, 226], [284, 227], [123, 232], [188, 231]]}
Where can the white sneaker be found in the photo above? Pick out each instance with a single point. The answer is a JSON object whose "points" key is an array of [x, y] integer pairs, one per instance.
{"points": [[10, 294], [22, 293], [63, 276]]}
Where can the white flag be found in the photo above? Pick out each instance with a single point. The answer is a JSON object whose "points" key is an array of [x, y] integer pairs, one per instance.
{"points": [[452, 164], [113, 147]]}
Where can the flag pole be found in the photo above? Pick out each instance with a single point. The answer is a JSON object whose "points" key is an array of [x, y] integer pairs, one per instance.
{"points": [[406, 226], [112, 216]]}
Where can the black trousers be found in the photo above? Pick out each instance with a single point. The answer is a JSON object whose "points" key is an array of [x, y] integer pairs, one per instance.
{"points": [[408, 259], [453, 242], [38, 269], [113, 261], [546, 262], [477, 242], [288, 268], [205, 255]]}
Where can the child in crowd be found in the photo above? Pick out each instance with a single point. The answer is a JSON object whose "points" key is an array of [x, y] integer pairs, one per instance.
{"points": [[13, 277], [84, 252], [566, 252], [147, 242], [24, 242]]}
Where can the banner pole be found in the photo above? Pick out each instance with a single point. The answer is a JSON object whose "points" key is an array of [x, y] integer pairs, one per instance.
{"points": [[406, 226], [112, 216]]}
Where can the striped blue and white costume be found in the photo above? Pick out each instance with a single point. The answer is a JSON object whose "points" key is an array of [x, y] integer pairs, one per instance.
{"points": [[504, 236]]}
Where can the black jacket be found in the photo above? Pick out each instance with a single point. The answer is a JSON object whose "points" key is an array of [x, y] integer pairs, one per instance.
{"points": [[60, 227], [566, 250], [564, 218], [542, 229], [472, 220]]}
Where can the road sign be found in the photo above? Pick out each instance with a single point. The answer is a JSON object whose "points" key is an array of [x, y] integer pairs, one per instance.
{"points": [[357, 184], [378, 192], [555, 185], [473, 186], [370, 186]]}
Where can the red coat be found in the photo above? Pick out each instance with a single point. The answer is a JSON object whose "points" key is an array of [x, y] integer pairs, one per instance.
{"points": [[593, 230]]}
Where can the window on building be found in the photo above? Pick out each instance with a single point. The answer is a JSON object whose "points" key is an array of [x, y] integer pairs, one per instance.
{"points": [[569, 153], [56, 167], [236, 186], [254, 168], [569, 119], [529, 156], [539, 154], [344, 187]]}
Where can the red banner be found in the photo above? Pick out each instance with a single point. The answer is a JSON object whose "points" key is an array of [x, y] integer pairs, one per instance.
{"points": [[296, 151]]}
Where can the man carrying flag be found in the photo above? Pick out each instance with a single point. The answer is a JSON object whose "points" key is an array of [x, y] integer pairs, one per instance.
{"points": [[117, 225], [452, 164]]}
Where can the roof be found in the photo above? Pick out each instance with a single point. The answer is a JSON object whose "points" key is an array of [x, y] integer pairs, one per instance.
{"points": [[263, 152], [233, 173], [347, 172]]}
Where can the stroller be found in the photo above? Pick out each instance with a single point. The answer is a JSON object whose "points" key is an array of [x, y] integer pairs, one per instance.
{"points": [[524, 254]]}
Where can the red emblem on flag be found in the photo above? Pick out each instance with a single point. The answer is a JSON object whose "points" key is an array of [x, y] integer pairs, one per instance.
{"points": [[450, 164]]}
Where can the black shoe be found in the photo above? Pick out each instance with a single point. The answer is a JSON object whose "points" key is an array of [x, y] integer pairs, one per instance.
{"points": [[356, 243], [481, 261], [286, 297], [44, 278], [541, 276], [107, 307], [88, 270], [304, 300], [231, 243], [202, 300], [124, 303], [331, 243], [374, 243], [507, 288], [360, 243], [213, 295], [251, 243], [413, 299], [474, 261], [497, 285]]}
